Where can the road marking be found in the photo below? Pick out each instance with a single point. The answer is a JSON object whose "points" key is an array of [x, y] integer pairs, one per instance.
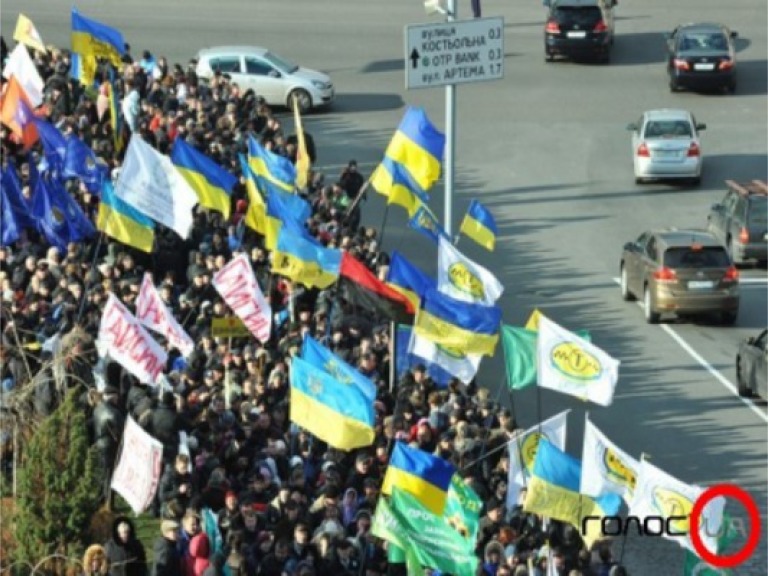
{"points": [[753, 280], [707, 366]]}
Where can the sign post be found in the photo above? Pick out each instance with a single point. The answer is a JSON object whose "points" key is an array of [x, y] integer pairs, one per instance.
{"points": [[450, 53]]}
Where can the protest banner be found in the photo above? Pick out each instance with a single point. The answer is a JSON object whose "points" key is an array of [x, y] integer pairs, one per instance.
{"points": [[152, 312], [240, 291], [137, 473]]}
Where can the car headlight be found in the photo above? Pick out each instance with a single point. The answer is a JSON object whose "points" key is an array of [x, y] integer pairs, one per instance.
{"points": [[320, 85]]}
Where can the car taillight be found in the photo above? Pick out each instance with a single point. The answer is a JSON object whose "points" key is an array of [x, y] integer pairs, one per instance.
{"points": [[665, 274], [744, 235], [731, 275], [694, 150], [552, 27], [725, 65], [682, 64], [642, 150], [600, 27]]}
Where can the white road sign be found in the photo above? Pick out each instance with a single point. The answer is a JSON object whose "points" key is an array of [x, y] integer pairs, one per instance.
{"points": [[454, 52]]}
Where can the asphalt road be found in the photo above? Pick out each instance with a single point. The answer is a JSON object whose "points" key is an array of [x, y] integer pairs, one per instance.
{"points": [[547, 151]]}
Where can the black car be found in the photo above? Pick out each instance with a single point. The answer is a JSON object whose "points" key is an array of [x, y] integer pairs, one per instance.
{"points": [[740, 221], [751, 366], [579, 28], [701, 57]]}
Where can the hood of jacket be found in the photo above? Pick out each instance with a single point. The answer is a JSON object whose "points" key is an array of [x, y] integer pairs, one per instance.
{"points": [[119, 520]]}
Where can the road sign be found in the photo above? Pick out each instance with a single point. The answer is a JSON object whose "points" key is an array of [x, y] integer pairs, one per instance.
{"points": [[455, 52], [229, 327]]}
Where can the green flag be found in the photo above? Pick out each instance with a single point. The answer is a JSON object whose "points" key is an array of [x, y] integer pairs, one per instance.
{"points": [[395, 554], [462, 509], [520, 354], [427, 539], [695, 566]]}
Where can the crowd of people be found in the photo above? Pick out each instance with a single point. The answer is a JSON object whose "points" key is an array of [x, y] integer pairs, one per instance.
{"points": [[284, 502]]}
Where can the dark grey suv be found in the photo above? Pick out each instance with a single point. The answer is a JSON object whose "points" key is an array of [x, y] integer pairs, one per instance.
{"points": [[740, 221], [579, 28]]}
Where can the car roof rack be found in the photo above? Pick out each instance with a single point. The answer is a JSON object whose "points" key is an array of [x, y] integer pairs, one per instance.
{"points": [[753, 187]]}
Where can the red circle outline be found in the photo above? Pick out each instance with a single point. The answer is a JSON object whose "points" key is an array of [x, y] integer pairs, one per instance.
{"points": [[727, 491]]}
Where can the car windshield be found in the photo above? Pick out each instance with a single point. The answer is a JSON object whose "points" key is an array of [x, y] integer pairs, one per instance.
{"points": [[758, 213], [687, 257], [577, 15], [668, 129], [285, 66], [692, 42]]}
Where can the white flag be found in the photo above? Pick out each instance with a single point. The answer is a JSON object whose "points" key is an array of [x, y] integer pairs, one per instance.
{"points": [[522, 452], [460, 278], [240, 291], [129, 344], [659, 494], [152, 312], [462, 366], [605, 467], [573, 365], [20, 65], [137, 473], [150, 183]]}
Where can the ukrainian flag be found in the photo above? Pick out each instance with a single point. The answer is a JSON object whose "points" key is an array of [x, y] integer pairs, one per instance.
{"points": [[285, 209], [92, 39], [479, 225], [391, 179], [299, 259], [425, 222], [418, 146], [324, 359], [553, 491], [338, 414], [408, 280], [470, 328], [115, 119], [212, 184], [424, 476], [270, 169], [123, 222], [256, 216]]}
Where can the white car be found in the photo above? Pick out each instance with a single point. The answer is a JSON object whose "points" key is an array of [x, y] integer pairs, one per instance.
{"points": [[665, 145], [275, 79]]}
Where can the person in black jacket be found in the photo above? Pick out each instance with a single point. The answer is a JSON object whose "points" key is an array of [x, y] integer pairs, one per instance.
{"points": [[167, 558], [164, 426], [108, 422], [125, 551], [176, 483]]}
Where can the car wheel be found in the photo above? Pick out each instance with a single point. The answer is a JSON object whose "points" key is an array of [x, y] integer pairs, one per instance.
{"points": [[639, 180], [729, 317], [696, 180], [673, 87], [548, 56], [651, 317], [730, 88], [606, 57], [625, 293], [303, 98]]}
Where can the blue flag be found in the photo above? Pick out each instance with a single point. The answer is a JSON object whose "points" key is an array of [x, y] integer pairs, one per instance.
{"points": [[324, 359], [18, 204], [425, 222], [10, 226], [59, 218], [54, 146], [405, 361], [81, 162]]}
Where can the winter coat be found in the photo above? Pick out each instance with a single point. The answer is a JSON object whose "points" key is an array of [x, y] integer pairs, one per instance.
{"points": [[167, 558], [199, 552], [126, 558]]}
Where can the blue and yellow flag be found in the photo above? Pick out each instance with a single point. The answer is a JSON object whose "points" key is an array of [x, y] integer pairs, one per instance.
{"points": [[93, 40], [256, 216], [115, 116], [123, 222], [297, 258], [553, 491], [454, 324], [336, 413], [324, 359], [270, 169], [418, 146], [391, 179], [408, 279], [424, 476], [212, 184], [479, 225], [425, 222], [286, 210]]}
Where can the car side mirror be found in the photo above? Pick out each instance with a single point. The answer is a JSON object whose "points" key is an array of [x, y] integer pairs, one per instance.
{"points": [[630, 246], [632, 127], [274, 74], [751, 340], [734, 34], [701, 126], [717, 207]]}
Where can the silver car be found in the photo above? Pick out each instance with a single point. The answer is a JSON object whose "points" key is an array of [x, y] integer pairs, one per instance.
{"points": [[270, 76], [665, 145]]}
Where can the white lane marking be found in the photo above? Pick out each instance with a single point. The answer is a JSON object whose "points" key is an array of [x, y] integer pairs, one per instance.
{"points": [[753, 280], [707, 366]]}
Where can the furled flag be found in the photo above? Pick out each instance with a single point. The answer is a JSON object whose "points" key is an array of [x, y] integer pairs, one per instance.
{"points": [[26, 33], [573, 365], [553, 491], [479, 225], [338, 414], [522, 452], [460, 278], [20, 65], [425, 476], [153, 313], [150, 183], [659, 494], [302, 157], [605, 467]]}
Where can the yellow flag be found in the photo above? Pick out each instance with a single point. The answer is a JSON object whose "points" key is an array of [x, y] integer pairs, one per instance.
{"points": [[533, 321], [27, 34], [302, 158]]}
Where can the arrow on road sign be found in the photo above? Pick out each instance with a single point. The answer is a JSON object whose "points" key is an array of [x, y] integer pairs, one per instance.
{"points": [[414, 58]]}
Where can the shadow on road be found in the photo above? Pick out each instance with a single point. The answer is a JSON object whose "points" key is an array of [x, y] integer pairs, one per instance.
{"points": [[633, 48]]}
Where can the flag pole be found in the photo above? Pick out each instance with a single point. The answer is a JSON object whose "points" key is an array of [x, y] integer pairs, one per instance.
{"points": [[383, 226], [360, 195], [392, 355], [93, 265]]}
